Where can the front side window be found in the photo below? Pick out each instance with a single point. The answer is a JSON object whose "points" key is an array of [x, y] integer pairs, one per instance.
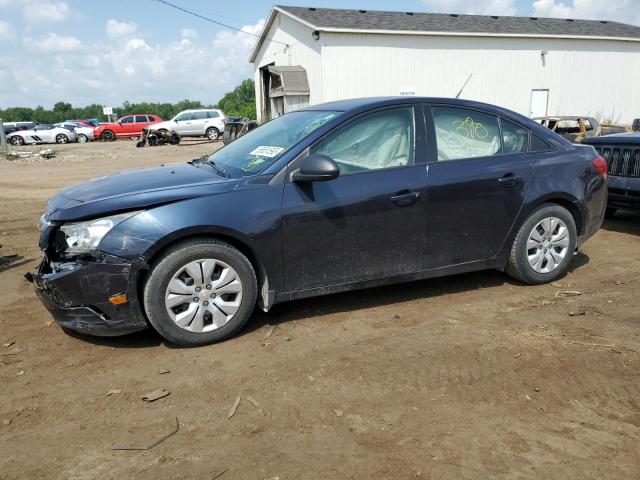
{"points": [[463, 133], [126, 120], [183, 116], [255, 151], [515, 139], [379, 140]]}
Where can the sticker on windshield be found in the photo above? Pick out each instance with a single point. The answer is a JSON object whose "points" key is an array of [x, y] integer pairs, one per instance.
{"points": [[267, 151]]}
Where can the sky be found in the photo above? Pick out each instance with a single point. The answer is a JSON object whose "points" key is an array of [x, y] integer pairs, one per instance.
{"points": [[86, 51]]}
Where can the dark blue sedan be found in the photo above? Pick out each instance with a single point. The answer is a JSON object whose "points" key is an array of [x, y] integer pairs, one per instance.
{"points": [[335, 197]]}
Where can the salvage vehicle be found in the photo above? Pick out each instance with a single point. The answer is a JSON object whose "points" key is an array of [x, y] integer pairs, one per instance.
{"points": [[84, 133], [206, 122], [42, 134], [155, 138], [575, 129], [622, 153], [329, 198], [129, 126]]}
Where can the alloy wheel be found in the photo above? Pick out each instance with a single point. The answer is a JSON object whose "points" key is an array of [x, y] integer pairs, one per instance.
{"points": [[212, 134], [203, 295], [61, 138], [547, 245]]}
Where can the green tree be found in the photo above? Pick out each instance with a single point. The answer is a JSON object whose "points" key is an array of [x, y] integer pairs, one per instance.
{"points": [[241, 101]]}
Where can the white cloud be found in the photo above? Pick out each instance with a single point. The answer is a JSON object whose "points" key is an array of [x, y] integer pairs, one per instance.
{"points": [[58, 43], [189, 33], [621, 10], [472, 7], [115, 28], [45, 11], [127, 66], [5, 31]]}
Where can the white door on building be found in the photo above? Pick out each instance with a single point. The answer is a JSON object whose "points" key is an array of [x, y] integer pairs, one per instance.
{"points": [[539, 102]]}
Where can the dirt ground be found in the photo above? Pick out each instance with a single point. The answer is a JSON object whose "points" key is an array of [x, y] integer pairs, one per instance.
{"points": [[466, 377]]}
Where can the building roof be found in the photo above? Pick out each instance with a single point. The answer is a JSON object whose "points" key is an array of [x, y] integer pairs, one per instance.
{"points": [[331, 18]]}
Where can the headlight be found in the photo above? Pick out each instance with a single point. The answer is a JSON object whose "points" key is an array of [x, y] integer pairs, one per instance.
{"points": [[83, 237]]}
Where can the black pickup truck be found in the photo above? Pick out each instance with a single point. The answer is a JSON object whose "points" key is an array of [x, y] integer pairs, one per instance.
{"points": [[622, 153]]}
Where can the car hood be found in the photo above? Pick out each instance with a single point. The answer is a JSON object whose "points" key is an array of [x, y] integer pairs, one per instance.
{"points": [[132, 189]]}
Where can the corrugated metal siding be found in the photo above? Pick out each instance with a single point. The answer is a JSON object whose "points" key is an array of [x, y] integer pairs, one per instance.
{"points": [[586, 77], [303, 51]]}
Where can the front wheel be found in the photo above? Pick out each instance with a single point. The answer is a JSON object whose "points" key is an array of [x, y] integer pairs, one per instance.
{"points": [[62, 138], [199, 292], [542, 250], [107, 136], [213, 134], [82, 138], [17, 140]]}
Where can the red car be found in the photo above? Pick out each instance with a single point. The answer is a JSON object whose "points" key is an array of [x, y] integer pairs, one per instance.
{"points": [[125, 127]]}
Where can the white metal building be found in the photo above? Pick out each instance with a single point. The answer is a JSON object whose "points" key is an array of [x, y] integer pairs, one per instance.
{"points": [[535, 66]]}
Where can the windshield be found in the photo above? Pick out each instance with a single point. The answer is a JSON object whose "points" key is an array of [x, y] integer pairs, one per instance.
{"points": [[259, 148]]}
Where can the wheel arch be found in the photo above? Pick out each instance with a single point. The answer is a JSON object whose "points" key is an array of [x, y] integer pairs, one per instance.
{"points": [[564, 200], [235, 239]]}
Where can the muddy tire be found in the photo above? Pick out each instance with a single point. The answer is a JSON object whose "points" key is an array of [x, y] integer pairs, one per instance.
{"points": [[199, 292], [544, 245]]}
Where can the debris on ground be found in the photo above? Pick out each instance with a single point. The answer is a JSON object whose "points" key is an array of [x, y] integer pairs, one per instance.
{"points": [[14, 352], [255, 404], [164, 371], [232, 412], [9, 343], [155, 395], [114, 392], [270, 331], [578, 313], [154, 444], [218, 475], [42, 154], [570, 293], [338, 413]]}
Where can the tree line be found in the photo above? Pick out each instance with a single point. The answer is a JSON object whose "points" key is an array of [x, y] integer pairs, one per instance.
{"points": [[239, 102]]}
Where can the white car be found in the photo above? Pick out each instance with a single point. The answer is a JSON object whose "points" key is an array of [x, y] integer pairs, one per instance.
{"points": [[42, 134], [204, 122], [85, 134]]}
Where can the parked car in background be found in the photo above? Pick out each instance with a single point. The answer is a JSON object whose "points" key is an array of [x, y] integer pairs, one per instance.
{"points": [[622, 153], [575, 129], [10, 127], [635, 126], [42, 134], [334, 197], [204, 122], [84, 133], [129, 126]]}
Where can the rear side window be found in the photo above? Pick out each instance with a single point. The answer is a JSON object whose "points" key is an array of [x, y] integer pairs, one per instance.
{"points": [[213, 114], [538, 144], [141, 119], [515, 139], [463, 133], [199, 115]]}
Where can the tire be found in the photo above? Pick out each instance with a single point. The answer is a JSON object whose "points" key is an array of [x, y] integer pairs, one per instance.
{"points": [[107, 136], [552, 263], [213, 133], [17, 140], [62, 138], [610, 212], [82, 138], [198, 326]]}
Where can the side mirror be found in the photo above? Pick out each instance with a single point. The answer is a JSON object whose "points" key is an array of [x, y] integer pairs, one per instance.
{"points": [[316, 168]]}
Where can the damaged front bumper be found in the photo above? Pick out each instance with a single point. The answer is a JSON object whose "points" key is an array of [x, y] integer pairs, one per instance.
{"points": [[78, 292]]}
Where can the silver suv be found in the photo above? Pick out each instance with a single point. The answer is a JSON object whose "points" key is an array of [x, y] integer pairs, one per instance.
{"points": [[196, 123]]}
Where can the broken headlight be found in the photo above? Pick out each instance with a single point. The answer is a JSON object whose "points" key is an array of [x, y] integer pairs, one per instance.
{"points": [[83, 237]]}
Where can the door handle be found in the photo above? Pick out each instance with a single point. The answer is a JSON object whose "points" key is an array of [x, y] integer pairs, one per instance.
{"points": [[405, 197], [509, 180]]}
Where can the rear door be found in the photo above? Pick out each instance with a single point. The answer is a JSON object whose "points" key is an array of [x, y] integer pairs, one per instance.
{"points": [[370, 221], [198, 121], [477, 183], [141, 122]]}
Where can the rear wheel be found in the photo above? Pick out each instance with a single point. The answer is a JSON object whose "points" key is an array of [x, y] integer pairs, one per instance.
{"points": [[17, 140], [199, 292], [108, 136], [544, 246], [62, 138], [213, 134]]}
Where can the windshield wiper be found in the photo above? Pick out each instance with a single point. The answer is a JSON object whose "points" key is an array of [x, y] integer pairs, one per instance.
{"points": [[204, 160]]}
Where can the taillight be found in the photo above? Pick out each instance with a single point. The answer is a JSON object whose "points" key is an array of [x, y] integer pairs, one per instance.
{"points": [[224, 120], [601, 165]]}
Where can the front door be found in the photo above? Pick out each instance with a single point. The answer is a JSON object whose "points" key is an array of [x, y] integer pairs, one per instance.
{"points": [[476, 186], [183, 124], [367, 223]]}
